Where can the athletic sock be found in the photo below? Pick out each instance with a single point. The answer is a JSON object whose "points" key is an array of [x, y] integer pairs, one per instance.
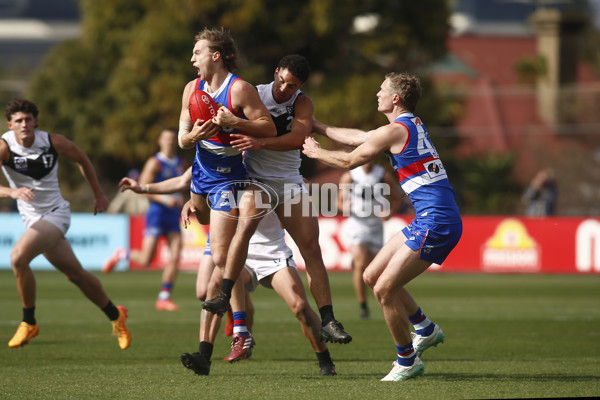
{"points": [[227, 287], [324, 358], [406, 355], [165, 291], [239, 323], [423, 326], [29, 315], [206, 349], [326, 314], [363, 306], [111, 311]]}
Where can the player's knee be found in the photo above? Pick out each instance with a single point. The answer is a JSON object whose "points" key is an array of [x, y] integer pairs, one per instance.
{"points": [[300, 309], [18, 260], [369, 279], [219, 258], [383, 293], [201, 294]]}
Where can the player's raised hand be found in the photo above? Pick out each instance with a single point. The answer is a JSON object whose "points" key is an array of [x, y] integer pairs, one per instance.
{"points": [[130, 184]]}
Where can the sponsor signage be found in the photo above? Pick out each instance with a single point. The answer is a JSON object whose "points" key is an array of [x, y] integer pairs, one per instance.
{"points": [[488, 245], [92, 237]]}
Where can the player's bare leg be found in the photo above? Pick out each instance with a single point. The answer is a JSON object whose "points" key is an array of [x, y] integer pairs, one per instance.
{"points": [[202, 208], [304, 230], [252, 206], [391, 269], [169, 274], [288, 285], [361, 257]]}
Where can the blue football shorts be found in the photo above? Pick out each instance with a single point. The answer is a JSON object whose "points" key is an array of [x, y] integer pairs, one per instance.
{"points": [[434, 242], [160, 221], [222, 195]]}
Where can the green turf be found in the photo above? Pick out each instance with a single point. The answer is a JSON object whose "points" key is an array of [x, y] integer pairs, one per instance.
{"points": [[507, 336]]}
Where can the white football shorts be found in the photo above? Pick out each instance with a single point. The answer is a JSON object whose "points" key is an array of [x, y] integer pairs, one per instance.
{"points": [[59, 216], [365, 231]]}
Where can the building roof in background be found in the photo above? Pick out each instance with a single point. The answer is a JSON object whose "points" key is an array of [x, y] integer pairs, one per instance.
{"points": [[30, 28], [46, 10]]}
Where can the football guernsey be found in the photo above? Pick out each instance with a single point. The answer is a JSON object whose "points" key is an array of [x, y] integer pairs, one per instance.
{"points": [[269, 164], [422, 175], [160, 218], [35, 167], [216, 161]]}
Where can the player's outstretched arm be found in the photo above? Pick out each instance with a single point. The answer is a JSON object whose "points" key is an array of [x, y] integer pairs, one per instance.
{"points": [[388, 137], [168, 186], [67, 148], [301, 128], [347, 136]]}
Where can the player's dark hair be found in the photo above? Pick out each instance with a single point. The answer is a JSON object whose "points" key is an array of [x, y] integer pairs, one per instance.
{"points": [[297, 65], [407, 86], [21, 105], [220, 40]]}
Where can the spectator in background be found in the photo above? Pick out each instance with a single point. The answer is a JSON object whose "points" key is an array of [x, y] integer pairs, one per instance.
{"points": [[128, 202], [162, 218], [541, 194]]}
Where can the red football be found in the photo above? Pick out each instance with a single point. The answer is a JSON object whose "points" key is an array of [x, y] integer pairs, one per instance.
{"points": [[202, 106]]}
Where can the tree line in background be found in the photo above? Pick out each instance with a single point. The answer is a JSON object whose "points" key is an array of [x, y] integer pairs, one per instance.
{"points": [[113, 88]]}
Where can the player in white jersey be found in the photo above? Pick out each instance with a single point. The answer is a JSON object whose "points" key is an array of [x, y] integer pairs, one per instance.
{"points": [[28, 157], [269, 264], [429, 238], [273, 164], [369, 195]]}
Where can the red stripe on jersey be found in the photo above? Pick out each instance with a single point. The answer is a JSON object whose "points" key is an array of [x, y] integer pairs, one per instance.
{"points": [[413, 169], [229, 105], [407, 136]]}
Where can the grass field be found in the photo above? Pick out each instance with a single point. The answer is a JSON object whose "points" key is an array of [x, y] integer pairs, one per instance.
{"points": [[507, 336]]}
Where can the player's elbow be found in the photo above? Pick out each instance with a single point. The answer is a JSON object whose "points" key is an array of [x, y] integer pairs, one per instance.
{"points": [[351, 164], [271, 132], [269, 129]]}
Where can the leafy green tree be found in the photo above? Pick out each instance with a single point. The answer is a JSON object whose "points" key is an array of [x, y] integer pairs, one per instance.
{"points": [[485, 185]]}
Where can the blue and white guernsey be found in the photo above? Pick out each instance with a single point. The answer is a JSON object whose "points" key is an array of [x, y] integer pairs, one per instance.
{"points": [[422, 175], [169, 168], [216, 161]]}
